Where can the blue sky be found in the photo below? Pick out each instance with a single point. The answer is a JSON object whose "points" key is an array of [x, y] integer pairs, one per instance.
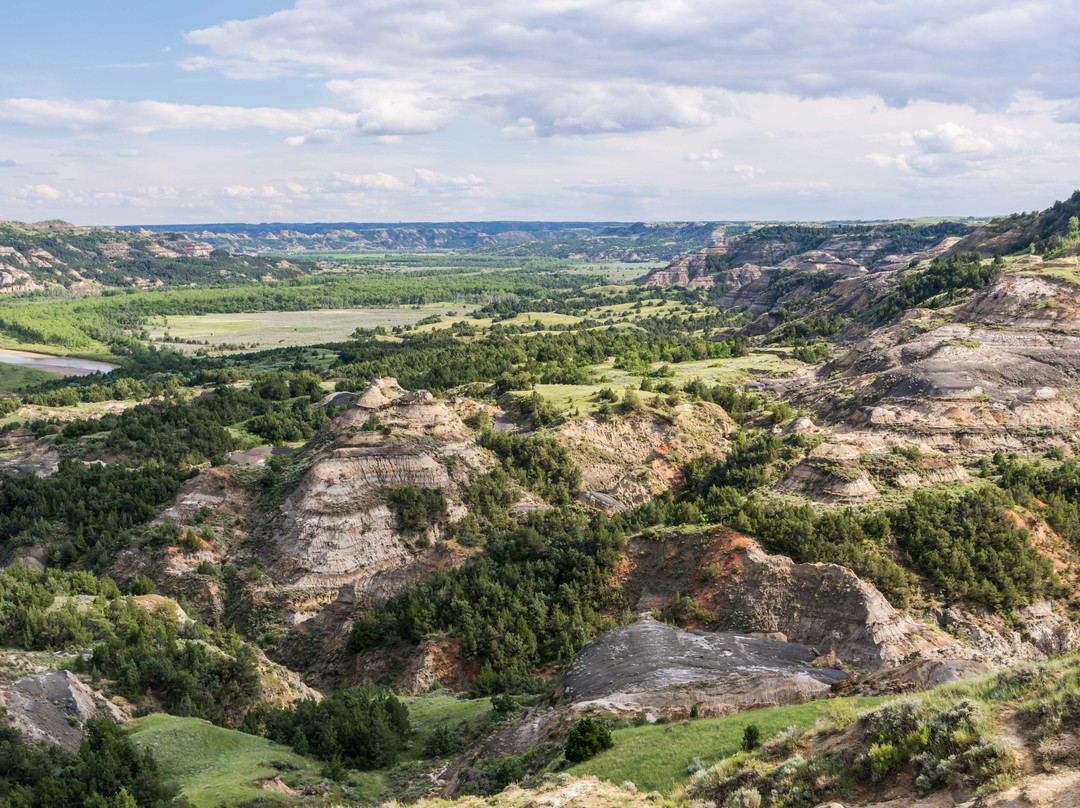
{"points": [[390, 110]]}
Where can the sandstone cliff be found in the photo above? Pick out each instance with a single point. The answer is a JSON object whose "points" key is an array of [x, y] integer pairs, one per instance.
{"points": [[691, 271], [336, 528], [742, 588]]}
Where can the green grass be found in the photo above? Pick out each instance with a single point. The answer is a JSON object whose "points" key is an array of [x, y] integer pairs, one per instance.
{"points": [[97, 352], [545, 318], [12, 377], [215, 766], [714, 371], [276, 329], [1059, 272], [618, 271], [654, 758], [429, 713], [81, 410]]}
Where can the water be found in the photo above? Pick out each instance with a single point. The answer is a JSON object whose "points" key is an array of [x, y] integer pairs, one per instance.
{"points": [[61, 365]]}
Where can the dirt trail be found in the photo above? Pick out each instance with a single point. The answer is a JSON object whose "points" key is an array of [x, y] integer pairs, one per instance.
{"points": [[1009, 732]]}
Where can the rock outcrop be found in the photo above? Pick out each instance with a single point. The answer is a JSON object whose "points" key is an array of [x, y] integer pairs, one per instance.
{"points": [[54, 707], [823, 261], [921, 674], [824, 605], [742, 588], [213, 490], [828, 481], [691, 271], [954, 376], [1039, 630], [651, 666], [856, 467], [336, 527]]}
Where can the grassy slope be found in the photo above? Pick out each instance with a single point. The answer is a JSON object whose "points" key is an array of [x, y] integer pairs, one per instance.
{"points": [[429, 713], [214, 766], [13, 377], [654, 758]]}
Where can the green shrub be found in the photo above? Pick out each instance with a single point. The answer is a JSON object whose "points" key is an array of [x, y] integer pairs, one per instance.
{"points": [[142, 585], [418, 508], [442, 742], [362, 727], [744, 798], [586, 740], [501, 772], [503, 704], [751, 737], [884, 757], [334, 769]]}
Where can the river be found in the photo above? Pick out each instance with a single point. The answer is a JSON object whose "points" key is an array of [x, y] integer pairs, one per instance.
{"points": [[61, 365]]}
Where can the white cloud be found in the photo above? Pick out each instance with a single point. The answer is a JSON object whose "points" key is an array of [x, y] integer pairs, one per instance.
{"points": [[41, 193], [248, 192], [948, 149], [706, 159], [396, 107], [590, 107], [150, 116], [378, 181], [435, 182], [923, 49], [319, 137], [951, 138]]}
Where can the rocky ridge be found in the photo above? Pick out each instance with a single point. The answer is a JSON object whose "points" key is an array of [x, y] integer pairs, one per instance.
{"points": [[825, 606], [336, 529]]}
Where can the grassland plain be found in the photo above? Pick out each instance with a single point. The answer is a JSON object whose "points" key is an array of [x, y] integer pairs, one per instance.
{"points": [[96, 352], [281, 329], [583, 397], [656, 757], [277, 329], [614, 271], [622, 315]]}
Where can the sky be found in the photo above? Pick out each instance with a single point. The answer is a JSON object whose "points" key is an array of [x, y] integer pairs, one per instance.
{"points": [[125, 112]]}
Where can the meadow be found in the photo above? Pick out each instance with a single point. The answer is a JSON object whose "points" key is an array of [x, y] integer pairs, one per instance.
{"points": [[215, 766], [12, 377], [277, 329], [737, 370], [655, 757]]}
